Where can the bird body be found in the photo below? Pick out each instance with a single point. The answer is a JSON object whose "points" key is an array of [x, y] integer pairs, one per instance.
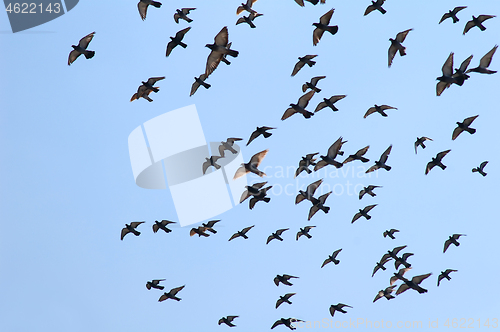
{"points": [[300, 107], [381, 163], [246, 6], [445, 275], [332, 153], [420, 142], [318, 204], [477, 22], [219, 48], [260, 196], [437, 162], [304, 231], [284, 299], [379, 109], [182, 14], [146, 88], [228, 320], [322, 26], [283, 279], [210, 162], [304, 164], [143, 7], [363, 213], [390, 233], [241, 233], [338, 307], [359, 156], [249, 19], [368, 190], [276, 235], [228, 146], [312, 85], [177, 40], [81, 48], [447, 78], [484, 63], [413, 284], [162, 225], [376, 5], [305, 60], [332, 258], [154, 284], [171, 295], [131, 228], [452, 14], [452, 240], [260, 131], [197, 82], [397, 46], [480, 169], [464, 126], [329, 103]]}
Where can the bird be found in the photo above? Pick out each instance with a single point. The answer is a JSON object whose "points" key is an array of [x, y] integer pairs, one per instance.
{"points": [[314, 2], [413, 284], [300, 107], [252, 190], [131, 229], [171, 294], [420, 142], [249, 19], [283, 279], [385, 293], [338, 307], [436, 161], [305, 162], [284, 299], [177, 40], [276, 235], [182, 13], [399, 275], [305, 60], [447, 78], [402, 260], [358, 156], [477, 22], [162, 225], [381, 163], [484, 63], [363, 213], [211, 162], [396, 45], [318, 204], [218, 49], [143, 7], [332, 258], [246, 6], [260, 196], [480, 169], [329, 103], [224, 57], [376, 5], [308, 194], [227, 320], [228, 146], [260, 131], [154, 284], [394, 252], [81, 48], [379, 109], [332, 153], [304, 231], [241, 233], [460, 76], [464, 126], [368, 190], [200, 80], [452, 14], [380, 265], [146, 88], [200, 230], [209, 226], [251, 166], [288, 321], [312, 84], [452, 239], [322, 26], [390, 233], [445, 274]]}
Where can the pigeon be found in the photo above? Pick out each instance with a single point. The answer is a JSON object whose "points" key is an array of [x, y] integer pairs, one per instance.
{"points": [[332, 153], [477, 22], [305, 162], [380, 265], [322, 26], [413, 284], [464, 126], [445, 274], [314, 2], [283, 279], [484, 63], [452, 14], [402, 260], [480, 169], [200, 231], [197, 82], [146, 88], [390, 233], [284, 298], [300, 107], [182, 13], [332, 258], [171, 294], [396, 45], [219, 49], [248, 19], [302, 62], [276, 235], [381, 163], [252, 190], [329, 102], [436, 162], [228, 146], [209, 226], [452, 239], [394, 252], [379, 109], [211, 162], [304, 231], [143, 7], [385, 293], [376, 5], [260, 131], [177, 40], [154, 284], [338, 307], [399, 275], [227, 320], [318, 205], [368, 190], [312, 85], [246, 6], [241, 233], [358, 156], [260, 196], [420, 142], [460, 76], [288, 321], [131, 229], [81, 48], [447, 79], [308, 194], [162, 225], [251, 166], [363, 213]]}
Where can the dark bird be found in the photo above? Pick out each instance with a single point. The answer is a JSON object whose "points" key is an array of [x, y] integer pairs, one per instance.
{"points": [[436, 162], [182, 14], [322, 26], [385, 293], [452, 14], [131, 228], [402, 260], [380, 265], [224, 57], [228, 145], [246, 6], [276, 235], [260, 131], [219, 49], [227, 320], [312, 85], [305, 162], [171, 294], [376, 5], [251, 166], [81, 48], [464, 126], [332, 258], [200, 231], [209, 226], [363, 213], [260, 196], [177, 40], [399, 275], [445, 274], [368, 190], [358, 156], [249, 19], [318, 204], [413, 284], [381, 163], [460, 76], [379, 109], [285, 298], [287, 322], [390, 233], [484, 63], [283, 279], [396, 45], [242, 233], [302, 62], [146, 88], [452, 239], [162, 225], [309, 193], [252, 190], [314, 2], [480, 169], [420, 142], [304, 231], [211, 162], [394, 252], [332, 153], [300, 107], [477, 22], [447, 78], [338, 307], [197, 82], [154, 284], [329, 103], [143, 7]]}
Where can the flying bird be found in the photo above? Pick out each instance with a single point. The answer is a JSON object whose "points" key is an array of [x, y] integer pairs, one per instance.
{"points": [[318, 204], [447, 78], [464, 126], [260, 196], [300, 107], [358, 156], [162, 225], [312, 85], [480, 169], [376, 5], [200, 231], [452, 239], [402, 260], [210, 162], [227, 320], [484, 63], [171, 294], [368, 190], [177, 40], [224, 57], [338, 307], [81, 48], [452, 14], [363, 213], [252, 190], [251, 166], [276, 235], [390, 233], [182, 14], [385, 293], [302, 62], [283, 279], [246, 6], [288, 321], [322, 26], [460, 74], [143, 7], [396, 45], [209, 226], [219, 49], [314, 2], [420, 142], [304, 231], [477, 22], [332, 258], [197, 82], [249, 19], [413, 284], [381, 163], [394, 252], [131, 229], [380, 265], [332, 153], [329, 103], [146, 88], [228, 146], [399, 275], [436, 162], [379, 109], [260, 131], [242, 233], [154, 284], [309, 193], [284, 298], [445, 274], [305, 162]]}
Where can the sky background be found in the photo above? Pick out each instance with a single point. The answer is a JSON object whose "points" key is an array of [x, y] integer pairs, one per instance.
{"points": [[68, 189]]}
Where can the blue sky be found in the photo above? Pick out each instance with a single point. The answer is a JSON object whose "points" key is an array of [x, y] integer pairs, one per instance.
{"points": [[68, 187]]}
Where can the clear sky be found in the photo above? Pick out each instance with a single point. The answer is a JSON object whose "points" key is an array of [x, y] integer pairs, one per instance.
{"points": [[68, 188]]}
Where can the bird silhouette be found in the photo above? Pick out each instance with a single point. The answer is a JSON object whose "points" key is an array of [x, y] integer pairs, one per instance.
{"points": [[209, 226], [131, 228], [379, 109], [381, 163], [322, 26], [332, 153], [305, 232], [312, 84], [210, 162], [329, 103], [155, 284], [241, 233], [146, 88], [287, 322], [477, 22], [452, 14], [252, 165], [228, 320], [368, 190], [484, 63], [162, 225], [413, 284], [452, 240], [338, 307], [200, 230], [81, 48], [219, 49], [228, 146], [200, 80], [480, 169], [249, 19], [143, 7], [447, 78], [177, 40], [332, 258], [420, 142], [305, 60], [300, 107], [358, 156], [260, 196], [464, 126], [445, 275], [172, 294], [318, 204], [182, 14], [390, 233], [436, 161], [385, 293], [397, 46], [276, 235], [380, 265], [284, 299], [309, 193], [363, 213], [376, 5], [246, 6], [283, 279], [305, 162], [260, 131]]}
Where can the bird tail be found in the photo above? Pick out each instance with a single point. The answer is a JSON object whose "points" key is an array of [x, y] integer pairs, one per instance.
{"points": [[213, 231], [156, 4], [233, 53], [388, 168], [482, 27], [423, 145], [216, 166], [89, 54], [136, 233], [161, 287], [266, 199], [308, 171], [470, 130], [226, 61], [206, 85], [382, 10], [402, 51], [482, 173], [325, 209], [308, 236], [364, 160], [182, 44], [252, 25], [311, 63], [455, 19], [307, 114], [333, 29], [368, 217], [261, 174], [244, 236], [188, 20], [443, 167], [266, 135]]}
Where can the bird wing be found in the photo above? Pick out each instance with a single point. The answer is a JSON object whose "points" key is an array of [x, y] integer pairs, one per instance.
{"points": [[246, 229], [391, 53], [326, 262], [234, 236], [320, 106], [447, 68], [240, 172], [254, 135], [162, 298], [180, 34], [457, 236], [457, 9], [276, 279], [441, 155], [445, 16], [213, 60], [187, 10], [73, 55], [368, 10], [304, 100], [400, 37], [143, 9], [370, 111], [153, 80], [486, 59], [298, 66], [457, 131], [212, 223], [176, 290], [482, 18], [468, 121], [231, 140], [465, 64], [312, 211], [446, 245], [125, 231], [194, 88], [320, 165], [258, 157], [369, 207], [335, 148], [362, 152], [322, 198], [300, 2], [278, 322], [288, 113], [240, 20], [280, 231], [336, 252], [325, 19], [483, 164], [440, 87], [418, 279], [380, 294], [336, 98], [356, 217], [387, 107], [85, 41], [371, 169], [170, 46], [385, 155], [402, 289], [316, 79], [206, 165], [469, 25], [134, 224], [222, 38], [269, 238], [252, 202], [311, 189], [317, 34]]}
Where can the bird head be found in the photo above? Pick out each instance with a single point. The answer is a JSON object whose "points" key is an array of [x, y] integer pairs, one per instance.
{"points": [[74, 46], [210, 46]]}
